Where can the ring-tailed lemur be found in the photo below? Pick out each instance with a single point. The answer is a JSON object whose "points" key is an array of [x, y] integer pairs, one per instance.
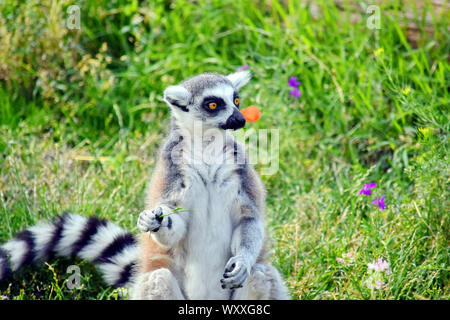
{"points": [[212, 249]]}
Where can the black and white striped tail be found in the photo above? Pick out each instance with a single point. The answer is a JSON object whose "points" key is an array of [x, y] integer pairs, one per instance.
{"points": [[115, 250]]}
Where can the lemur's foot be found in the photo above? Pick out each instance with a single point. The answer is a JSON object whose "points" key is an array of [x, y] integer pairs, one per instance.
{"points": [[259, 283], [151, 220], [159, 284], [236, 273]]}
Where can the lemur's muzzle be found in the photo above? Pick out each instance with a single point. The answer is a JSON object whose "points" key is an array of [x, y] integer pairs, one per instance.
{"points": [[235, 121]]}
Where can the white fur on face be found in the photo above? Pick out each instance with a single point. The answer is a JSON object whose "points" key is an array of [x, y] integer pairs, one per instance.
{"points": [[185, 99], [225, 92], [198, 117], [185, 120]]}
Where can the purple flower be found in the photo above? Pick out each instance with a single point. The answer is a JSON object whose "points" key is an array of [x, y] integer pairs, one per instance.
{"points": [[366, 188], [296, 93], [380, 202], [4, 298], [380, 265], [245, 66], [293, 82]]}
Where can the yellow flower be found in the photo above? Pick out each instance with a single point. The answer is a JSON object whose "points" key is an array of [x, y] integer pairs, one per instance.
{"points": [[406, 91], [426, 132], [104, 47], [378, 52]]}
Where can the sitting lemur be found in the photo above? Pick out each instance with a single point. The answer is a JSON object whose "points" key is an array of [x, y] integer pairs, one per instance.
{"points": [[203, 227]]}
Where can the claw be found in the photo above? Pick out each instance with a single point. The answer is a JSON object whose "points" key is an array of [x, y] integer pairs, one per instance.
{"points": [[158, 215]]}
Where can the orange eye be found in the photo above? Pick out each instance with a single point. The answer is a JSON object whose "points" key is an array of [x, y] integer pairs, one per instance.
{"points": [[236, 101], [212, 105]]}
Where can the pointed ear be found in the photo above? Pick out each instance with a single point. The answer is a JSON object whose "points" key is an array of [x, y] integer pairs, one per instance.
{"points": [[177, 96], [240, 79]]}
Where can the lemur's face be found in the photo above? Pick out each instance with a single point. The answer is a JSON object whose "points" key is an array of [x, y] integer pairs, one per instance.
{"points": [[209, 98]]}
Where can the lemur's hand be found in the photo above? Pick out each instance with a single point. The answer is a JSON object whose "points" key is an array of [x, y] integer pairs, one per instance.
{"points": [[236, 273], [151, 220]]}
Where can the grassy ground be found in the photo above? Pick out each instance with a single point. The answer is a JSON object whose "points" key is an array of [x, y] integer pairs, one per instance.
{"points": [[373, 109]]}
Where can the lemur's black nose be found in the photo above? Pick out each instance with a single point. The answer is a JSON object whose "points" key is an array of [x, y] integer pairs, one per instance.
{"points": [[235, 121]]}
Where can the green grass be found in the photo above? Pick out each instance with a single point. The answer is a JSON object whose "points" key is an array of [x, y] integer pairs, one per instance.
{"points": [[373, 108]]}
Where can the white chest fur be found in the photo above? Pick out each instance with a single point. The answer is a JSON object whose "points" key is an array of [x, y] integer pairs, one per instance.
{"points": [[212, 186]]}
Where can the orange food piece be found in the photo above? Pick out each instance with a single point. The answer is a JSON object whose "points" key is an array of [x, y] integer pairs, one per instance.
{"points": [[251, 114]]}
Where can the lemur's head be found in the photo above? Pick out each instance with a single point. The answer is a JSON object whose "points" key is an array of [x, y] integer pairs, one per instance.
{"points": [[209, 98]]}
